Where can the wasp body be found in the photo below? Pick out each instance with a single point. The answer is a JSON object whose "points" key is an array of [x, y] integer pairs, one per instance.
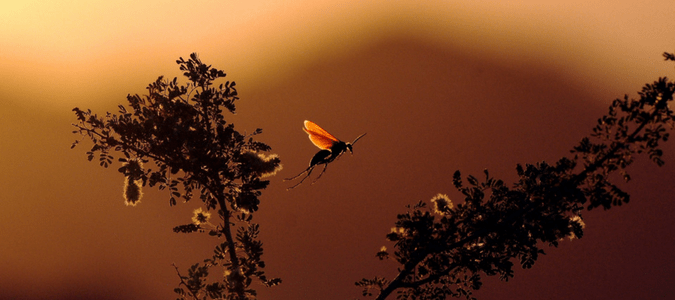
{"points": [[331, 149]]}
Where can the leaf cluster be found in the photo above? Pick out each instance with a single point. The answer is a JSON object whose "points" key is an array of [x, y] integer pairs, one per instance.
{"points": [[444, 251], [181, 131], [195, 284]]}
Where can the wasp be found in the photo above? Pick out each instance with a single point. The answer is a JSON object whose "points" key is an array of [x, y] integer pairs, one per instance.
{"points": [[331, 149]]}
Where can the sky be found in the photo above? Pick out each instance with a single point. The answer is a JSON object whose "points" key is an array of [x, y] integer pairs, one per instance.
{"points": [[438, 86]]}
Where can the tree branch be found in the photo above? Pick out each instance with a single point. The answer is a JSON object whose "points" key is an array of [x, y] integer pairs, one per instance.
{"points": [[420, 255]]}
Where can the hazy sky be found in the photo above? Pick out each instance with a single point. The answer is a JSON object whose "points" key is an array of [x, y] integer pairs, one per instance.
{"points": [[438, 86], [94, 45]]}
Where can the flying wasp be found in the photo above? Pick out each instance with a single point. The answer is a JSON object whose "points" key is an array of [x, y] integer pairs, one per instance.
{"points": [[331, 149]]}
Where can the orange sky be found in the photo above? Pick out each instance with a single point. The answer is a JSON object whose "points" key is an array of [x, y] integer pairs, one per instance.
{"points": [[438, 86]]}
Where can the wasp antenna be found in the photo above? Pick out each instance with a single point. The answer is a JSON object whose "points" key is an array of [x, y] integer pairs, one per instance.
{"points": [[357, 138]]}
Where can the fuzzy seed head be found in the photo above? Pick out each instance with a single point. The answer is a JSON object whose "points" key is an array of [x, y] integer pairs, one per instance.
{"points": [[200, 216], [133, 169], [261, 164], [400, 231], [579, 222], [442, 204], [132, 191]]}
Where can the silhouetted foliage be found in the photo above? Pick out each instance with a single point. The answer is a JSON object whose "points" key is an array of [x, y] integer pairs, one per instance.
{"points": [[444, 250], [182, 131]]}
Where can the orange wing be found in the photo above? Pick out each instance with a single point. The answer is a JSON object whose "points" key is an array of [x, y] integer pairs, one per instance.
{"points": [[318, 136]]}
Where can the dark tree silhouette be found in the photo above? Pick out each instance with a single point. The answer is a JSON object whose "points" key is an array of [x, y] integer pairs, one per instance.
{"points": [[181, 129], [443, 248]]}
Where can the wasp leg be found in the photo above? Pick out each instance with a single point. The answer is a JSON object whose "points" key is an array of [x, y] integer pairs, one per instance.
{"points": [[322, 157], [296, 176], [308, 171], [325, 166]]}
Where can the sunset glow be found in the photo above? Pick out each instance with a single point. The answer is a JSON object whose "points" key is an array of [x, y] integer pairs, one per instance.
{"points": [[437, 85], [97, 45]]}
